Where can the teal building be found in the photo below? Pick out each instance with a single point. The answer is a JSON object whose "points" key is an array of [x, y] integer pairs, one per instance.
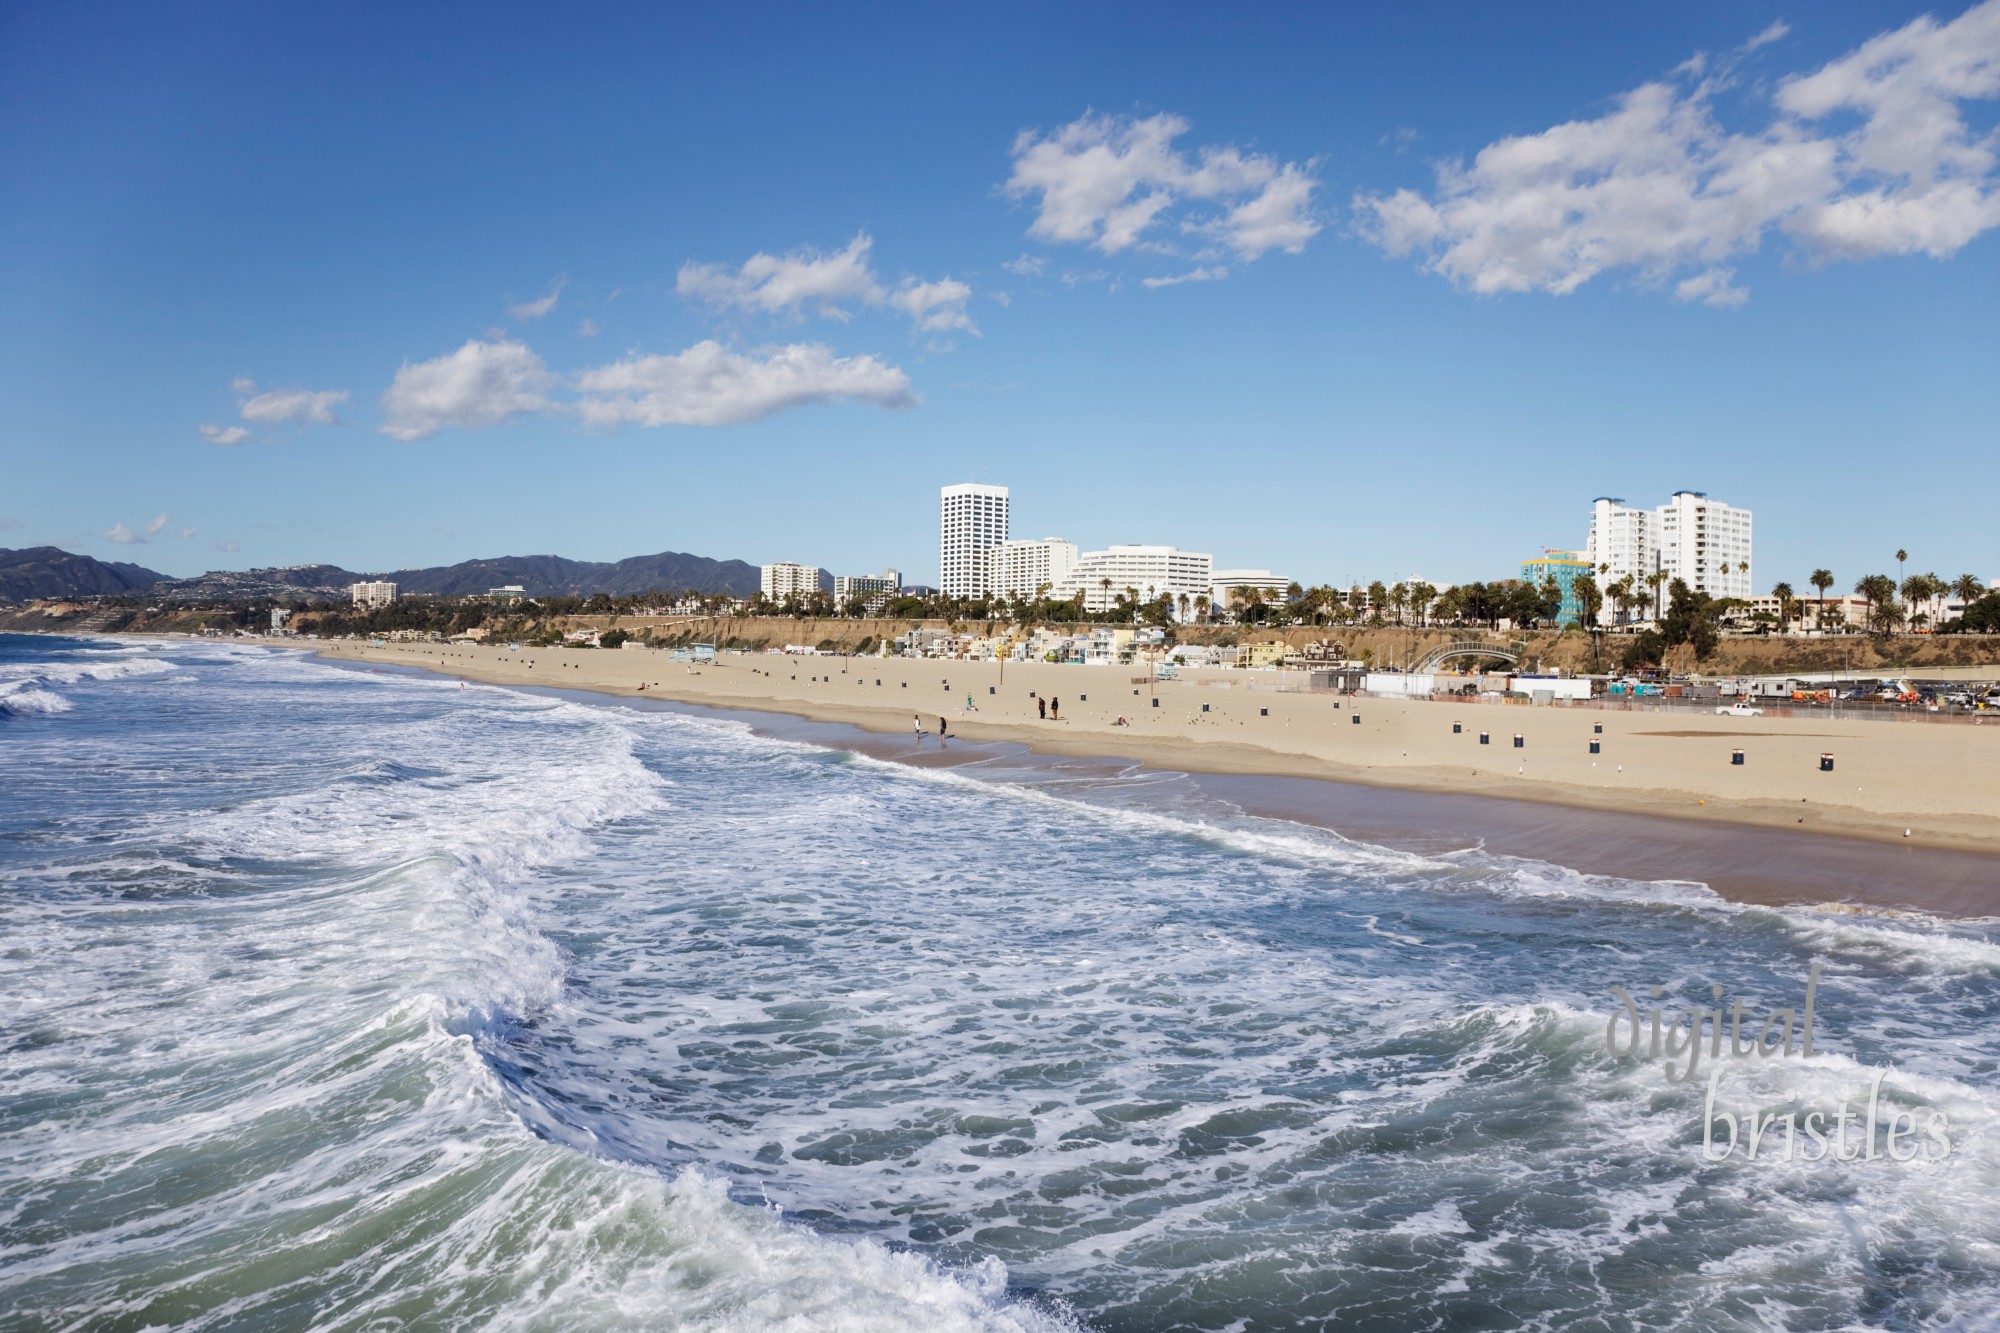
{"points": [[1565, 567]]}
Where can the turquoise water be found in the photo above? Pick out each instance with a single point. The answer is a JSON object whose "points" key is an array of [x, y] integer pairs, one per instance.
{"points": [[348, 1000]]}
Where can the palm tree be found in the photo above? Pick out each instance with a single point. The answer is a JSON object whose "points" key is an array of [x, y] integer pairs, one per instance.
{"points": [[1654, 580], [1901, 556], [1967, 588], [1786, 605], [1201, 606], [1421, 596], [1821, 579], [1879, 590]]}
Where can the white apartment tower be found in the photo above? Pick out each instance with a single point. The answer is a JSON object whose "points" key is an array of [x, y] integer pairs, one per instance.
{"points": [[372, 594], [1022, 569], [781, 580], [1690, 537], [1706, 544], [972, 520]]}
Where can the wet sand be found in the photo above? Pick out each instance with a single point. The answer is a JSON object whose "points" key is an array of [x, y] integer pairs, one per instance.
{"points": [[1745, 863]]}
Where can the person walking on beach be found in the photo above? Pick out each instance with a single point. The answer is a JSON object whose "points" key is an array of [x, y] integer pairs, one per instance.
{"points": [[944, 728], [919, 723], [1055, 710], [1042, 707]]}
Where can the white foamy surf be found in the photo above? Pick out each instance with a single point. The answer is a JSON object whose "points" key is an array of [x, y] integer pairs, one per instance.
{"points": [[352, 1000]]}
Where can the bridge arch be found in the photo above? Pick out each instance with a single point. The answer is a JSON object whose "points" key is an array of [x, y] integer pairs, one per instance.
{"points": [[1436, 657]]}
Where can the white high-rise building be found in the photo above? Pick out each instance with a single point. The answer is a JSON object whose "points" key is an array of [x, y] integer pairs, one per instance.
{"points": [[1706, 544], [372, 594], [781, 580], [972, 520], [1149, 571], [1023, 569], [1623, 538], [1690, 537]]}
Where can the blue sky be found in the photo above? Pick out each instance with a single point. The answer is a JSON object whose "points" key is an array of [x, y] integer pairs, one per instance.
{"points": [[391, 286]]}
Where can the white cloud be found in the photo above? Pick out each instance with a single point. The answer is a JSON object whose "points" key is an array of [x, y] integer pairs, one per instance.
{"points": [[224, 434], [125, 536], [708, 385], [587, 329], [481, 384], [226, 547], [775, 284], [280, 405], [829, 284], [185, 533], [1657, 186], [1777, 32], [935, 307], [541, 305], [1107, 181], [1202, 274], [1712, 286], [1027, 266]]}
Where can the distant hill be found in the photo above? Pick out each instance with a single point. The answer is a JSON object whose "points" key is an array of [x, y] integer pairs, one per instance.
{"points": [[46, 571], [554, 576]]}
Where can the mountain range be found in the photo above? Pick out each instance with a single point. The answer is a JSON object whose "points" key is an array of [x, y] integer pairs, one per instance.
{"points": [[46, 571]]}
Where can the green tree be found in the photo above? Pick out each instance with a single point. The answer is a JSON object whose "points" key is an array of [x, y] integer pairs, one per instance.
{"points": [[1879, 591], [1821, 579], [1787, 604]]}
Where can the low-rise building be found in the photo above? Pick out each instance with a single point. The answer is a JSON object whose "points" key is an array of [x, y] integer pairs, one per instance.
{"points": [[1563, 568], [1028, 569], [1262, 654], [1228, 586], [1142, 572], [874, 590]]}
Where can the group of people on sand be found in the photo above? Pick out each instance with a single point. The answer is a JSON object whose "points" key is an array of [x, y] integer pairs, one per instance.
{"points": [[1048, 709]]}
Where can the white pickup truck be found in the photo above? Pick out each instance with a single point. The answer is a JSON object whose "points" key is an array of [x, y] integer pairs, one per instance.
{"points": [[1739, 709]]}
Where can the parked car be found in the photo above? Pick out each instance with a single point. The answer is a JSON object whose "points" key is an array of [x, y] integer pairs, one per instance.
{"points": [[1739, 710]]}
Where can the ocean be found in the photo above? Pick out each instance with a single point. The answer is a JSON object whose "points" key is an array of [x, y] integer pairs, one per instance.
{"points": [[349, 999]]}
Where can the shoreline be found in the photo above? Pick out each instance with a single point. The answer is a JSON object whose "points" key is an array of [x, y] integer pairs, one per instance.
{"points": [[1748, 851]]}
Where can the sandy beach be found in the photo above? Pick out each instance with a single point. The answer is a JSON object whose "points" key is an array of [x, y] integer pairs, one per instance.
{"points": [[1938, 781]]}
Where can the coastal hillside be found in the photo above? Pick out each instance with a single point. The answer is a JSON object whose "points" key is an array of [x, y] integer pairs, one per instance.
{"points": [[554, 576], [48, 571]]}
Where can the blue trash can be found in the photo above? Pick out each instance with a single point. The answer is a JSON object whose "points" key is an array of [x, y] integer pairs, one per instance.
{"points": [[1597, 747], [1485, 739], [1736, 758], [1263, 712], [1457, 727], [1520, 741]]}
